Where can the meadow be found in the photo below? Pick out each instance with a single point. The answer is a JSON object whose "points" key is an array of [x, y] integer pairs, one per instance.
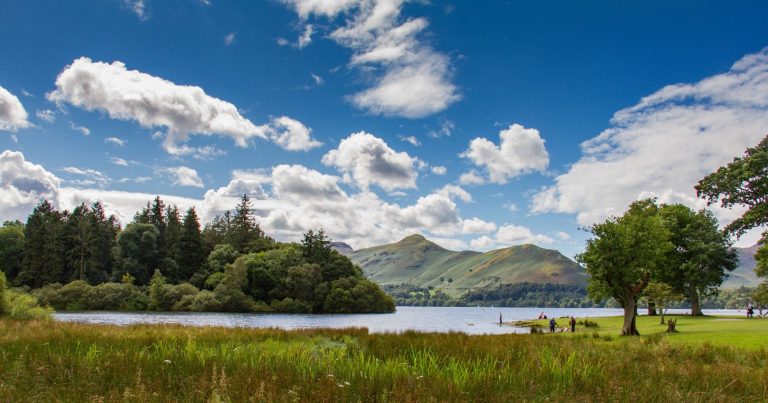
{"points": [[53, 361]]}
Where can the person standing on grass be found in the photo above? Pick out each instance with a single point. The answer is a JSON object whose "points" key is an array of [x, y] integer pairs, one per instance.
{"points": [[750, 311], [552, 325], [573, 324]]}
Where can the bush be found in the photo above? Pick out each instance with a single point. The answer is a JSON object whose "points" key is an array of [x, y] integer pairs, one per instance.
{"points": [[23, 306], [290, 305], [3, 303], [116, 297], [203, 301]]}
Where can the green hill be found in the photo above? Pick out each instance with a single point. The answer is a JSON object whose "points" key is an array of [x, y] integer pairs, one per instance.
{"points": [[420, 262], [744, 275]]}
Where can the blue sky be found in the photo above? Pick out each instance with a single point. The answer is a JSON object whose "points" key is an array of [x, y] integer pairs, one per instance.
{"points": [[480, 126]]}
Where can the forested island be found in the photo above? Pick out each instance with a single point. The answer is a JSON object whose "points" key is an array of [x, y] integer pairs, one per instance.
{"points": [[83, 260]]}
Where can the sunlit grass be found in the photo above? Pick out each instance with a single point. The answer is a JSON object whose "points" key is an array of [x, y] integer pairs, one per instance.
{"points": [[54, 361]]}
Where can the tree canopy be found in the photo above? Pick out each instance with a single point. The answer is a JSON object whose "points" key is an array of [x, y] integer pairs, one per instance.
{"points": [[623, 256]]}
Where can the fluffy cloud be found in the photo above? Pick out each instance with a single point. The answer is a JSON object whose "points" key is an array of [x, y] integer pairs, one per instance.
{"points": [[510, 235], [413, 80], [292, 135], [471, 178], [370, 161], [87, 177], [13, 116], [154, 102], [410, 139], [299, 198], [137, 7], [116, 141], [439, 170], [665, 144], [229, 39], [46, 115], [185, 176], [23, 184], [521, 151]]}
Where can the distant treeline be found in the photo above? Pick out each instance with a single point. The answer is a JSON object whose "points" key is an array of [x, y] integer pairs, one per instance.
{"points": [[541, 295], [84, 260]]}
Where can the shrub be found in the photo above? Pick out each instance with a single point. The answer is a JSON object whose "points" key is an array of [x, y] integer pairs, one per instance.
{"points": [[3, 303], [290, 305], [22, 306]]}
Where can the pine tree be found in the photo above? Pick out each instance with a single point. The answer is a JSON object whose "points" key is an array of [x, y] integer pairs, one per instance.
{"points": [[106, 230], [172, 252], [191, 250], [244, 228], [80, 243], [43, 250]]}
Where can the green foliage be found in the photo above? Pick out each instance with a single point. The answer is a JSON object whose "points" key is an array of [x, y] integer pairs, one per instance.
{"points": [[157, 292], [760, 297], [11, 249], [624, 255], [222, 255], [270, 276], [700, 256], [43, 261], [137, 251], [22, 306], [3, 301], [743, 182]]}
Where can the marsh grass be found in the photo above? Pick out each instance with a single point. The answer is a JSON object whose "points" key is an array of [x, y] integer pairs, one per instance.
{"points": [[54, 361]]}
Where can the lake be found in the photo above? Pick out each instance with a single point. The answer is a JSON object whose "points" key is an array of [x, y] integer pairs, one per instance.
{"points": [[473, 320]]}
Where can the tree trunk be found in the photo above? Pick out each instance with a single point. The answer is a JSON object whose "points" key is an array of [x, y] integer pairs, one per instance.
{"points": [[630, 314], [672, 326], [651, 308], [695, 305]]}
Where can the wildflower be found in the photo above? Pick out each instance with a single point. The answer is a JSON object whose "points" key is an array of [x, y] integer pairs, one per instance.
{"points": [[166, 362], [330, 375], [347, 383], [341, 385]]}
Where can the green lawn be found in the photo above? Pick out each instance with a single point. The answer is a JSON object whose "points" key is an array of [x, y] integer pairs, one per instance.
{"points": [[730, 331]]}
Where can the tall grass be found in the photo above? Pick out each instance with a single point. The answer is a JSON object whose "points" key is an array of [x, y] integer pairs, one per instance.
{"points": [[52, 361]]}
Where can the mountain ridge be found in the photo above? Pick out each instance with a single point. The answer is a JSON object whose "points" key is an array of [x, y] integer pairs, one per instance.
{"points": [[418, 261]]}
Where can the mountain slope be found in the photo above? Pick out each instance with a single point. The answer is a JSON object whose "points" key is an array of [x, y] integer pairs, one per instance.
{"points": [[417, 261], [744, 275]]}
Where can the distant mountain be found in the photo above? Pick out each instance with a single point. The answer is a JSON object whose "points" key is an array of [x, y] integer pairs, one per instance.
{"points": [[342, 248], [744, 275], [420, 262]]}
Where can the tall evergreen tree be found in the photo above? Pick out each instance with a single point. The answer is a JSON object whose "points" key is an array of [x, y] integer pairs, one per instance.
{"points": [[43, 250], [106, 230], [80, 243], [191, 250], [171, 244], [11, 249], [244, 228], [136, 252], [217, 231]]}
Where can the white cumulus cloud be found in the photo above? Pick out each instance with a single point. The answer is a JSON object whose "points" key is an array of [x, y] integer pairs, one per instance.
{"points": [[413, 79], [151, 101], [23, 184], [291, 134], [520, 151], [13, 116], [370, 161], [185, 176], [665, 144]]}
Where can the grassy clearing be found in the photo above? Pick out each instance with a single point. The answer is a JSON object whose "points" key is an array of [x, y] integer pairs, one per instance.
{"points": [[53, 361], [751, 334]]}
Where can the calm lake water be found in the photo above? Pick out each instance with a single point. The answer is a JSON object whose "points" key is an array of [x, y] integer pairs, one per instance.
{"points": [[424, 319]]}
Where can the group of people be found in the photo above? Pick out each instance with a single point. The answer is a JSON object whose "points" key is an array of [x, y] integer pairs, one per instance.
{"points": [[553, 323]]}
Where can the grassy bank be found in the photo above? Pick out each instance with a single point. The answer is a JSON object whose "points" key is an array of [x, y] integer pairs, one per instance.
{"points": [[52, 361], [751, 334]]}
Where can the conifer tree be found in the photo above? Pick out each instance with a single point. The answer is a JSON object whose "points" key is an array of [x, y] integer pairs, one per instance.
{"points": [[190, 246]]}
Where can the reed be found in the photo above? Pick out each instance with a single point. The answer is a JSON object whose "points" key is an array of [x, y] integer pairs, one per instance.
{"points": [[54, 361]]}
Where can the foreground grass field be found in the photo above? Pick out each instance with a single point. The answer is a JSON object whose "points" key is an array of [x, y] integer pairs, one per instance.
{"points": [[53, 361]]}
